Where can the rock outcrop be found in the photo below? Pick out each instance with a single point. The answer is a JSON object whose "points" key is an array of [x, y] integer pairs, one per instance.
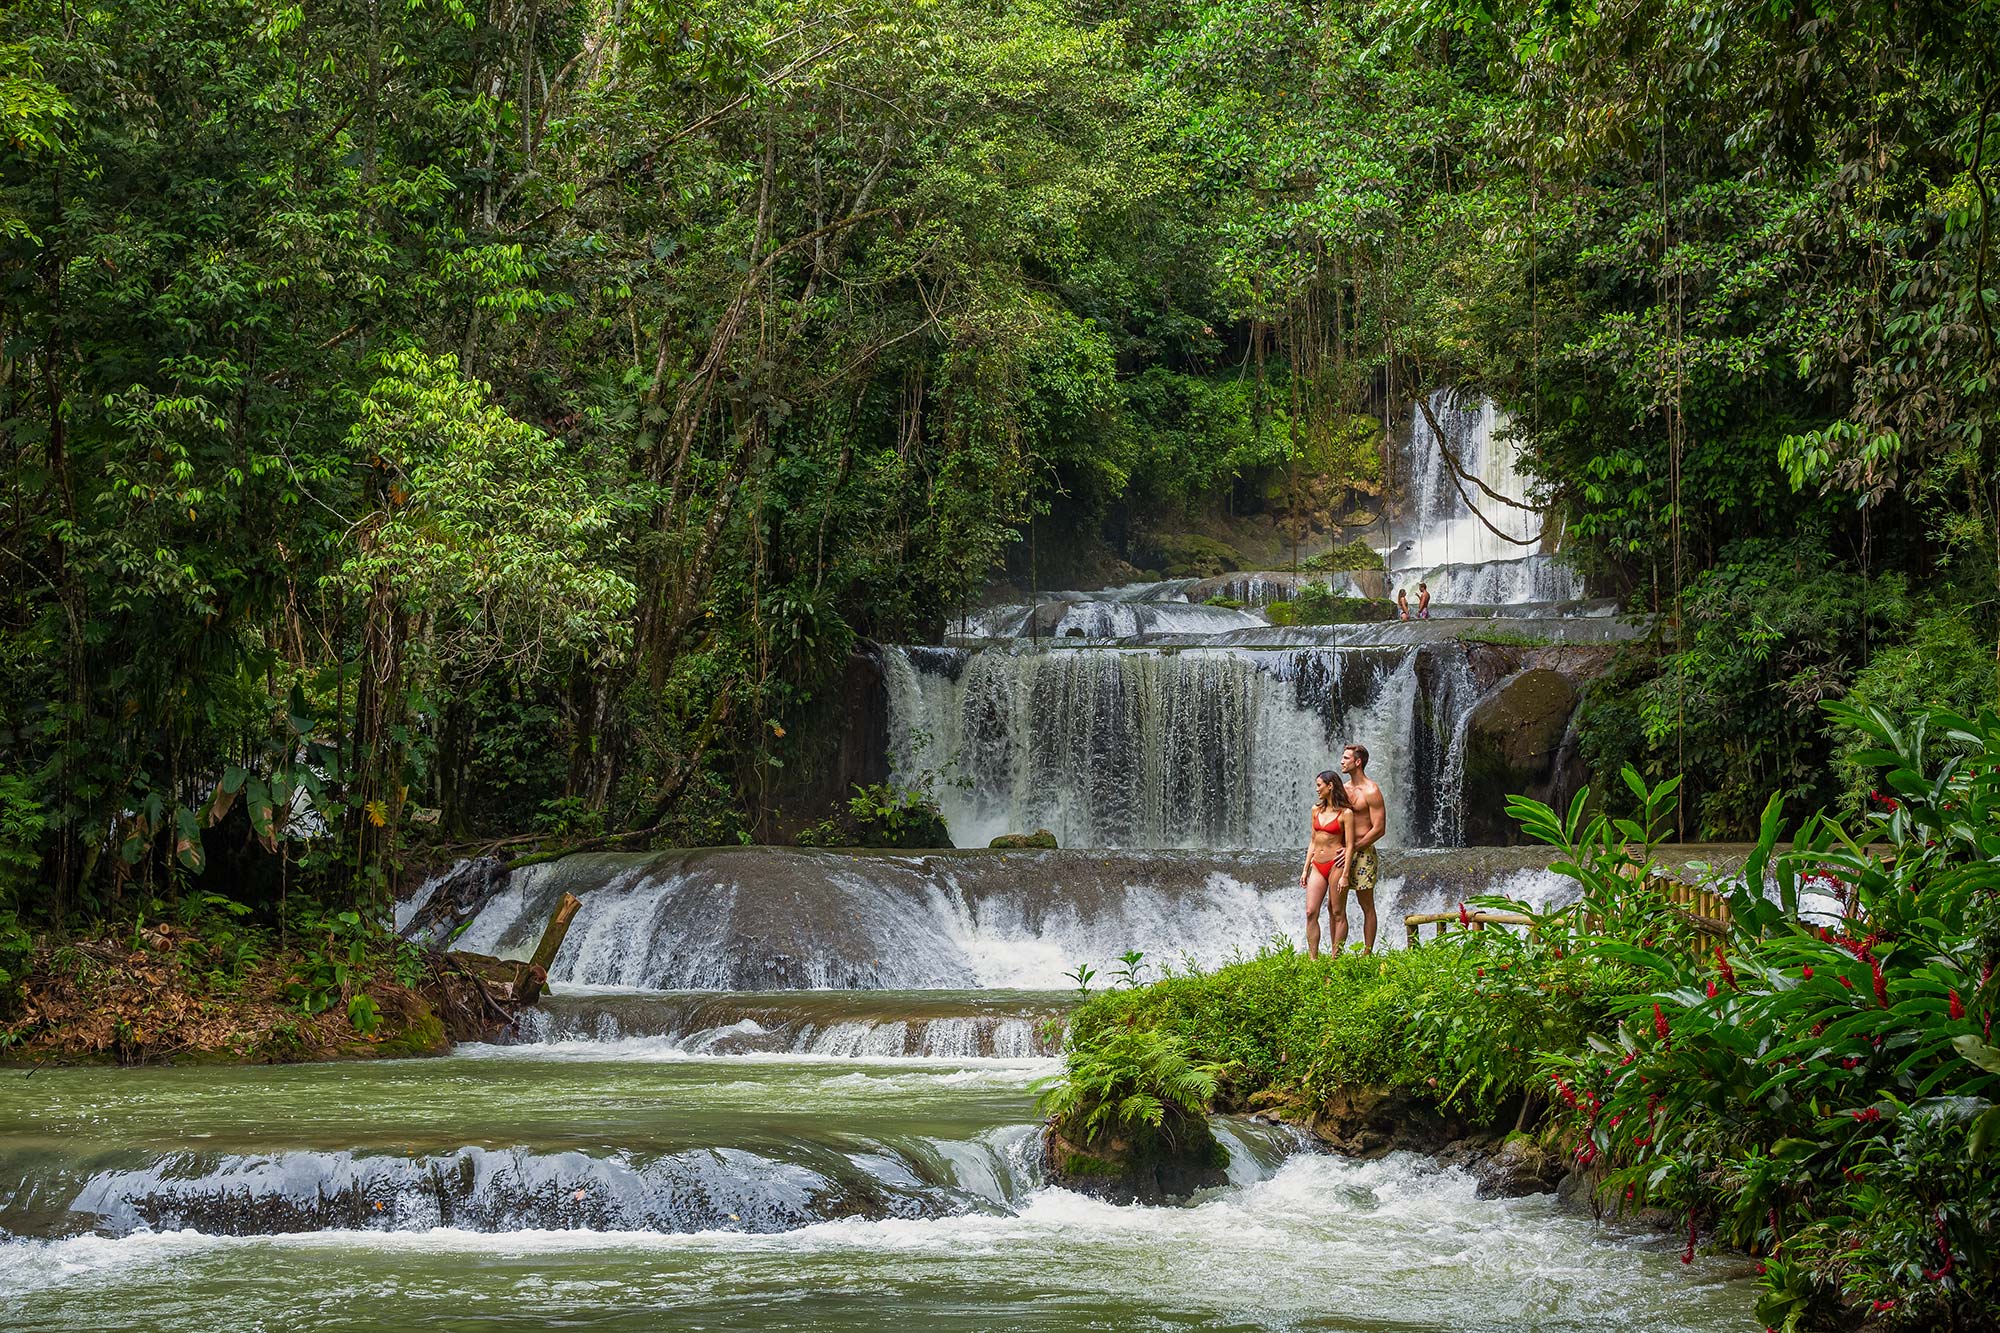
{"points": [[1040, 838], [1514, 745], [1119, 1170]]}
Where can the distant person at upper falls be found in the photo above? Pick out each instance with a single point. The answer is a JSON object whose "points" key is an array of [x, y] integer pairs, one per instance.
{"points": [[1371, 821], [1403, 602], [1423, 601], [1329, 849]]}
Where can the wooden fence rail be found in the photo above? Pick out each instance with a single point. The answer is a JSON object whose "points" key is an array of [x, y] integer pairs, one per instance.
{"points": [[1704, 909]]}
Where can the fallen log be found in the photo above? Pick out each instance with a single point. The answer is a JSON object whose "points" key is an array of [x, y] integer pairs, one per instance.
{"points": [[551, 944]]}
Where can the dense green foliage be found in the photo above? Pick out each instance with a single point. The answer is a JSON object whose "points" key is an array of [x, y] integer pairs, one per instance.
{"points": [[441, 421], [1822, 1091], [1132, 1084], [1456, 1021]]}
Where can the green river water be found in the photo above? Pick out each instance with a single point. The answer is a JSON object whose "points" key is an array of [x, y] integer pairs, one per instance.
{"points": [[630, 1184]]}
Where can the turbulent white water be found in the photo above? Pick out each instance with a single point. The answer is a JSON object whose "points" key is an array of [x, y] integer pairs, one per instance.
{"points": [[1318, 1244]]}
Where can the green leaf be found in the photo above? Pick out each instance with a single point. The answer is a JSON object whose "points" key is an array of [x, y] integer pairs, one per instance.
{"points": [[1977, 1051]]}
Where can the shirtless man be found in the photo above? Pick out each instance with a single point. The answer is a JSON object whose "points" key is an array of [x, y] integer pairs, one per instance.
{"points": [[1369, 822], [1423, 601]]}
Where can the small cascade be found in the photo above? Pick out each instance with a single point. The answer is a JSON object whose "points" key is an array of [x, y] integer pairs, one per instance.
{"points": [[515, 1189], [1134, 611], [786, 919], [928, 1025], [1538, 581]]}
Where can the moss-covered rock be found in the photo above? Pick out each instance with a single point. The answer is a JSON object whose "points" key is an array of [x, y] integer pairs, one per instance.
{"points": [[1183, 555], [1136, 1170], [1041, 838]]}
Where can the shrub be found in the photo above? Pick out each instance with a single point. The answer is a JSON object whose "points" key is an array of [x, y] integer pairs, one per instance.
{"points": [[882, 815], [1459, 1020], [1823, 1095], [1134, 1085]]}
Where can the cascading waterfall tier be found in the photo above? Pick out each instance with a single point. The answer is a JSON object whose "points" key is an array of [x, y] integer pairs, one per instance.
{"points": [[780, 918], [876, 1025], [1146, 747]]}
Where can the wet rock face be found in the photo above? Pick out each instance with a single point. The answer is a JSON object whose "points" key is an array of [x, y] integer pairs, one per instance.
{"points": [[1520, 1166], [1122, 1171], [1372, 1122], [1513, 740]]}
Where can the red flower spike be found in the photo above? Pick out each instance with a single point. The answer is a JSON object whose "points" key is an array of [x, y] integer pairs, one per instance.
{"points": [[1881, 985], [1464, 917], [1957, 1006], [1711, 990], [1722, 966], [1660, 1023], [1845, 982], [1806, 972]]}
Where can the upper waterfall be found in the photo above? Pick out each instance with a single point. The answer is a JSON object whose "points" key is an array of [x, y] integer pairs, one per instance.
{"points": [[1491, 555]]}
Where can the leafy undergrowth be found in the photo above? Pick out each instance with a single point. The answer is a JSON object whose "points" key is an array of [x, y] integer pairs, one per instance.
{"points": [[215, 992], [1458, 1021], [1823, 1091]]}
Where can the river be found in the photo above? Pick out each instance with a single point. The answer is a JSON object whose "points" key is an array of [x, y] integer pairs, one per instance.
{"points": [[633, 1185], [779, 1088]]}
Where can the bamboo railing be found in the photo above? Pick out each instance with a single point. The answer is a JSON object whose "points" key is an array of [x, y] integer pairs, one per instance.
{"points": [[1704, 909]]}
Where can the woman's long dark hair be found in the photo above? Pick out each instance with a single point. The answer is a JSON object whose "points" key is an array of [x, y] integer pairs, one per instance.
{"points": [[1336, 796]]}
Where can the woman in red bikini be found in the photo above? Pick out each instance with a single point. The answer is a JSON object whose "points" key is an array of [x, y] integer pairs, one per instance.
{"points": [[1328, 854]]}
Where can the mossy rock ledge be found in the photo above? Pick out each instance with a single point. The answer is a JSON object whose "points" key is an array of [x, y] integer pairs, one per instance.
{"points": [[1146, 1170]]}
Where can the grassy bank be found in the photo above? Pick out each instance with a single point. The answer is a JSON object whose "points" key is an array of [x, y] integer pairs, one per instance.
{"points": [[207, 987], [1459, 1022]]}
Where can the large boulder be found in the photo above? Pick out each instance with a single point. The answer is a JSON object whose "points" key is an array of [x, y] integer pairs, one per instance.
{"points": [[1514, 746], [1145, 1170]]}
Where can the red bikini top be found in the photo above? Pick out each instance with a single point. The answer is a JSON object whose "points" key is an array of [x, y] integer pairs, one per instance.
{"points": [[1326, 828]]}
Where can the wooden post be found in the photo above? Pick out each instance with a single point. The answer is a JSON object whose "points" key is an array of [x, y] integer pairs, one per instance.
{"points": [[552, 938]]}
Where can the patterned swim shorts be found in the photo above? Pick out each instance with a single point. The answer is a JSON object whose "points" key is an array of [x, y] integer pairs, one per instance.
{"points": [[1366, 870]]}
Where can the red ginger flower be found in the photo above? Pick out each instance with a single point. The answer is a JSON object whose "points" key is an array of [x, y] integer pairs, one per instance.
{"points": [[1464, 917], [1957, 1006], [1722, 966], [1881, 986], [1660, 1023], [1711, 990], [1845, 982], [1806, 972]]}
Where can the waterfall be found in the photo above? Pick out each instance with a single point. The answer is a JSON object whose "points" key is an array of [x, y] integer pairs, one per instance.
{"points": [[789, 919], [1462, 559], [1147, 747]]}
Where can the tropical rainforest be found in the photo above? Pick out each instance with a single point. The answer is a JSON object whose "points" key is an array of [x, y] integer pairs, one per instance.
{"points": [[428, 422]]}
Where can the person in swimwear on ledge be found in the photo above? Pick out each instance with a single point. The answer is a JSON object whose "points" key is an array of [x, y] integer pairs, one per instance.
{"points": [[1328, 853], [1365, 799]]}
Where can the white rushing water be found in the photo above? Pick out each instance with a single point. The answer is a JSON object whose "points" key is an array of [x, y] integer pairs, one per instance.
{"points": [[1198, 747], [783, 919], [1464, 559], [1321, 1243]]}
